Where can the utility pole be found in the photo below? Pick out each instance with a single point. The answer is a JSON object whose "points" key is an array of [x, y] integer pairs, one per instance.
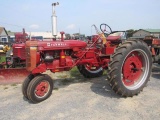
{"points": [[54, 20]]}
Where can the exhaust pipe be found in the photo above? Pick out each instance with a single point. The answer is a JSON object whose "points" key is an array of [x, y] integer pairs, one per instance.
{"points": [[54, 20]]}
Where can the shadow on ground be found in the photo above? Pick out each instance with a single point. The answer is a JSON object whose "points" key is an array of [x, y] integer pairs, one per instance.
{"points": [[99, 85], [156, 71]]}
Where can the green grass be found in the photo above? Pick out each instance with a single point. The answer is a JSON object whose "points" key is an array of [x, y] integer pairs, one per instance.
{"points": [[14, 84], [63, 76], [66, 81], [55, 88], [74, 73], [72, 76], [105, 72], [75, 76], [5, 88], [2, 59]]}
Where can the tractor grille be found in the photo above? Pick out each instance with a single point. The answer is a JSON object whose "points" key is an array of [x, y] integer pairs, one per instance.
{"points": [[19, 52], [28, 57], [31, 58]]}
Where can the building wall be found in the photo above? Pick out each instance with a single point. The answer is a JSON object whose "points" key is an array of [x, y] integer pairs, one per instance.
{"points": [[141, 33], [157, 35], [3, 36], [44, 35]]}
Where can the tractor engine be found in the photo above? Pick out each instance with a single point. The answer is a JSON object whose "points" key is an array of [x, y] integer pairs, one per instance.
{"points": [[55, 56]]}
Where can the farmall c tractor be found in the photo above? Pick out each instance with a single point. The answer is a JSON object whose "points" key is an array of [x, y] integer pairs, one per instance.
{"points": [[128, 62]]}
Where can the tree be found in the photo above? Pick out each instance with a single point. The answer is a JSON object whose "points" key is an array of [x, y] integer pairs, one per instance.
{"points": [[130, 32], [68, 36]]}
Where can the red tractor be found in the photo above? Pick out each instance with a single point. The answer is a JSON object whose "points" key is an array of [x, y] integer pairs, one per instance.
{"points": [[16, 56], [19, 58], [128, 62], [13, 67]]}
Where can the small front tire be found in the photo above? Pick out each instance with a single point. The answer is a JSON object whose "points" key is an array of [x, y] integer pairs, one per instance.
{"points": [[40, 88], [25, 84]]}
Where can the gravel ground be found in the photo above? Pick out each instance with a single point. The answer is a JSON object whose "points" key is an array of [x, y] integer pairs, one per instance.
{"points": [[83, 100]]}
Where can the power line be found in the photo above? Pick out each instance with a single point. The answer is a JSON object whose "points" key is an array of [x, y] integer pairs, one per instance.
{"points": [[12, 24], [19, 26]]}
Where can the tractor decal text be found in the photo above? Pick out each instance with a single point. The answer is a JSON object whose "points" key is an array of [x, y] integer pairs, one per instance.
{"points": [[56, 44]]}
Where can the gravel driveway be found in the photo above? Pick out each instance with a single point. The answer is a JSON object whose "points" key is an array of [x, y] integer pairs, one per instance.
{"points": [[83, 100]]}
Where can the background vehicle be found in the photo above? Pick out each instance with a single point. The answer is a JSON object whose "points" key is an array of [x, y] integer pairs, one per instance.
{"points": [[12, 66], [19, 57]]}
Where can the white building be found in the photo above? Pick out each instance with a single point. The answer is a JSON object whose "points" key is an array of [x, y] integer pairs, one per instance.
{"points": [[43, 35], [3, 35]]}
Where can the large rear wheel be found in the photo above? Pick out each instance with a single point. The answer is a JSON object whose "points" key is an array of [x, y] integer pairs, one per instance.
{"points": [[130, 68], [40, 88]]}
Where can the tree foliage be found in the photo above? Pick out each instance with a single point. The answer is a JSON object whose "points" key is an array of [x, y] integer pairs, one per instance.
{"points": [[130, 32], [68, 36]]}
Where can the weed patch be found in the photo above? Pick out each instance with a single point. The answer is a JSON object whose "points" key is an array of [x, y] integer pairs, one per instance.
{"points": [[14, 84], [74, 73]]}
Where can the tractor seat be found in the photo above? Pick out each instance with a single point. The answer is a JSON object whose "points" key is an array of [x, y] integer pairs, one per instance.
{"points": [[116, 36]]}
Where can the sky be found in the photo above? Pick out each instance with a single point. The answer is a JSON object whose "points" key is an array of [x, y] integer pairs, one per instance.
{"points": [[75, 16]]}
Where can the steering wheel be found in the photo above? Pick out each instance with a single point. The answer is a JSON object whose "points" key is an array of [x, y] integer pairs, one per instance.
{"points": [[106, 30]]}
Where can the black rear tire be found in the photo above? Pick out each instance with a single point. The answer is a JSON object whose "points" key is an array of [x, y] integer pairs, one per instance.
{"points": [[25, 84], [130, 68], [90, 73], [40, 88]]}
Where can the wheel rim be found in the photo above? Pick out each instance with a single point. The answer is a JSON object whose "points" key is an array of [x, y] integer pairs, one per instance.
{"points": [[92, 69], [42, 89], [135, 69]]}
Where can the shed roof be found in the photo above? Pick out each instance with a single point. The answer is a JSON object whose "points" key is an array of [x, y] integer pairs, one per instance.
{"points": [[152, 30], [10, 33], [1, 29]]}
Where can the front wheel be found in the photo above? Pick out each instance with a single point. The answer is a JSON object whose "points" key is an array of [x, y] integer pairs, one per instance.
{"points": [[40, 88], [25, 84], [130, 68]]}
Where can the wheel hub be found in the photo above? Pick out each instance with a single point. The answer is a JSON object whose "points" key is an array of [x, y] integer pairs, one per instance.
{"points": [[132, 68], [42, 88]]}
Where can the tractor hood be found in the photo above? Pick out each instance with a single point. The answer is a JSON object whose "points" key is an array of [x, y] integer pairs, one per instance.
{"points": [[58, 45]]}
